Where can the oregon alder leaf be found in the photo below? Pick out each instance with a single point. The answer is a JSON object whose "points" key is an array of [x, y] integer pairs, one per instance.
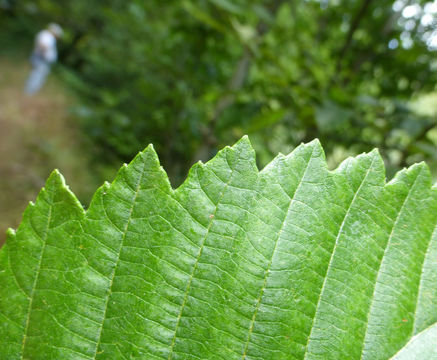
{"points": [[291, 262]]}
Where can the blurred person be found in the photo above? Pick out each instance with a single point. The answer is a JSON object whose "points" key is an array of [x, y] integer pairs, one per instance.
{"points": [[44, 55]]}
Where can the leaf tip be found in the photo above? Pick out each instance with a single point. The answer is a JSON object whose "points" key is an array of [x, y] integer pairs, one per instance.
{"points": [[148, 156], [244, 138], [376, 158], [314, 143], [243, 145], [408, 175], [315, 147], [419, 168], [198, 164], [375, 152], [55, 179], [149, 151], [149, 147], [10, 232]]}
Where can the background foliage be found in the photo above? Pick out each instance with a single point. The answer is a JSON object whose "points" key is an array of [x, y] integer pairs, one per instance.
{"points": [[191, 76], [292, 262]]}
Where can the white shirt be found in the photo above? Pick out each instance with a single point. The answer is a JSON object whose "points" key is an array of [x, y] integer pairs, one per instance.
{"points": [[45, 46]]}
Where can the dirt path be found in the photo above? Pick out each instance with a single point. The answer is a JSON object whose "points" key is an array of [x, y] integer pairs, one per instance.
{"points": [[37, 134]]}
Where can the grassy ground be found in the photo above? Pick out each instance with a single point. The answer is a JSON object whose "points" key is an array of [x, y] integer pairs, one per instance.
{"points": [[37, 134]]}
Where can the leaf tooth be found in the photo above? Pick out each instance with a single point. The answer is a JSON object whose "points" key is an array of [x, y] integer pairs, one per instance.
{"points": [[10, 232], [244, 146], [242, 150], [403, 175], [409, 187], [312, 149], [352, 161]]}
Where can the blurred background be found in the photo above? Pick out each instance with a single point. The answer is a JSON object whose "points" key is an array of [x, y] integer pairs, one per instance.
{"points": [[191, 76]]}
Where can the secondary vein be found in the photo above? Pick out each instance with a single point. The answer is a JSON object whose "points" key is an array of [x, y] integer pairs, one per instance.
{"points": [[125, 230], [340, 230], [266, 274], [428, 247], [382, 260], [35, 280], [199, 254]]}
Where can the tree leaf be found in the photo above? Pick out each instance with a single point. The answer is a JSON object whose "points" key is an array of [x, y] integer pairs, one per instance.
{"points": [[35, 265], [419, 346], [291, 262]]}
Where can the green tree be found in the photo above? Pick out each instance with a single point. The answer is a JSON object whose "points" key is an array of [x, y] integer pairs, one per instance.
{"points": [[190, 76]]}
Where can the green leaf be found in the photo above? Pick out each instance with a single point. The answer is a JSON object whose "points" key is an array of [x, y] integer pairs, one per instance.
{"points": [[35, 266], [203, 16], [228, 6], [291, 262], [419, 346]]}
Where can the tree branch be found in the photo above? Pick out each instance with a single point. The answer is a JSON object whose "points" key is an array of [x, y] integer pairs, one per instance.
{"points": [[353, 28], [236, 82]]}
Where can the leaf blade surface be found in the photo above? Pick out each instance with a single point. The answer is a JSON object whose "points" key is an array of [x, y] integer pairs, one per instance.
{"points": [[291, 262]]}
